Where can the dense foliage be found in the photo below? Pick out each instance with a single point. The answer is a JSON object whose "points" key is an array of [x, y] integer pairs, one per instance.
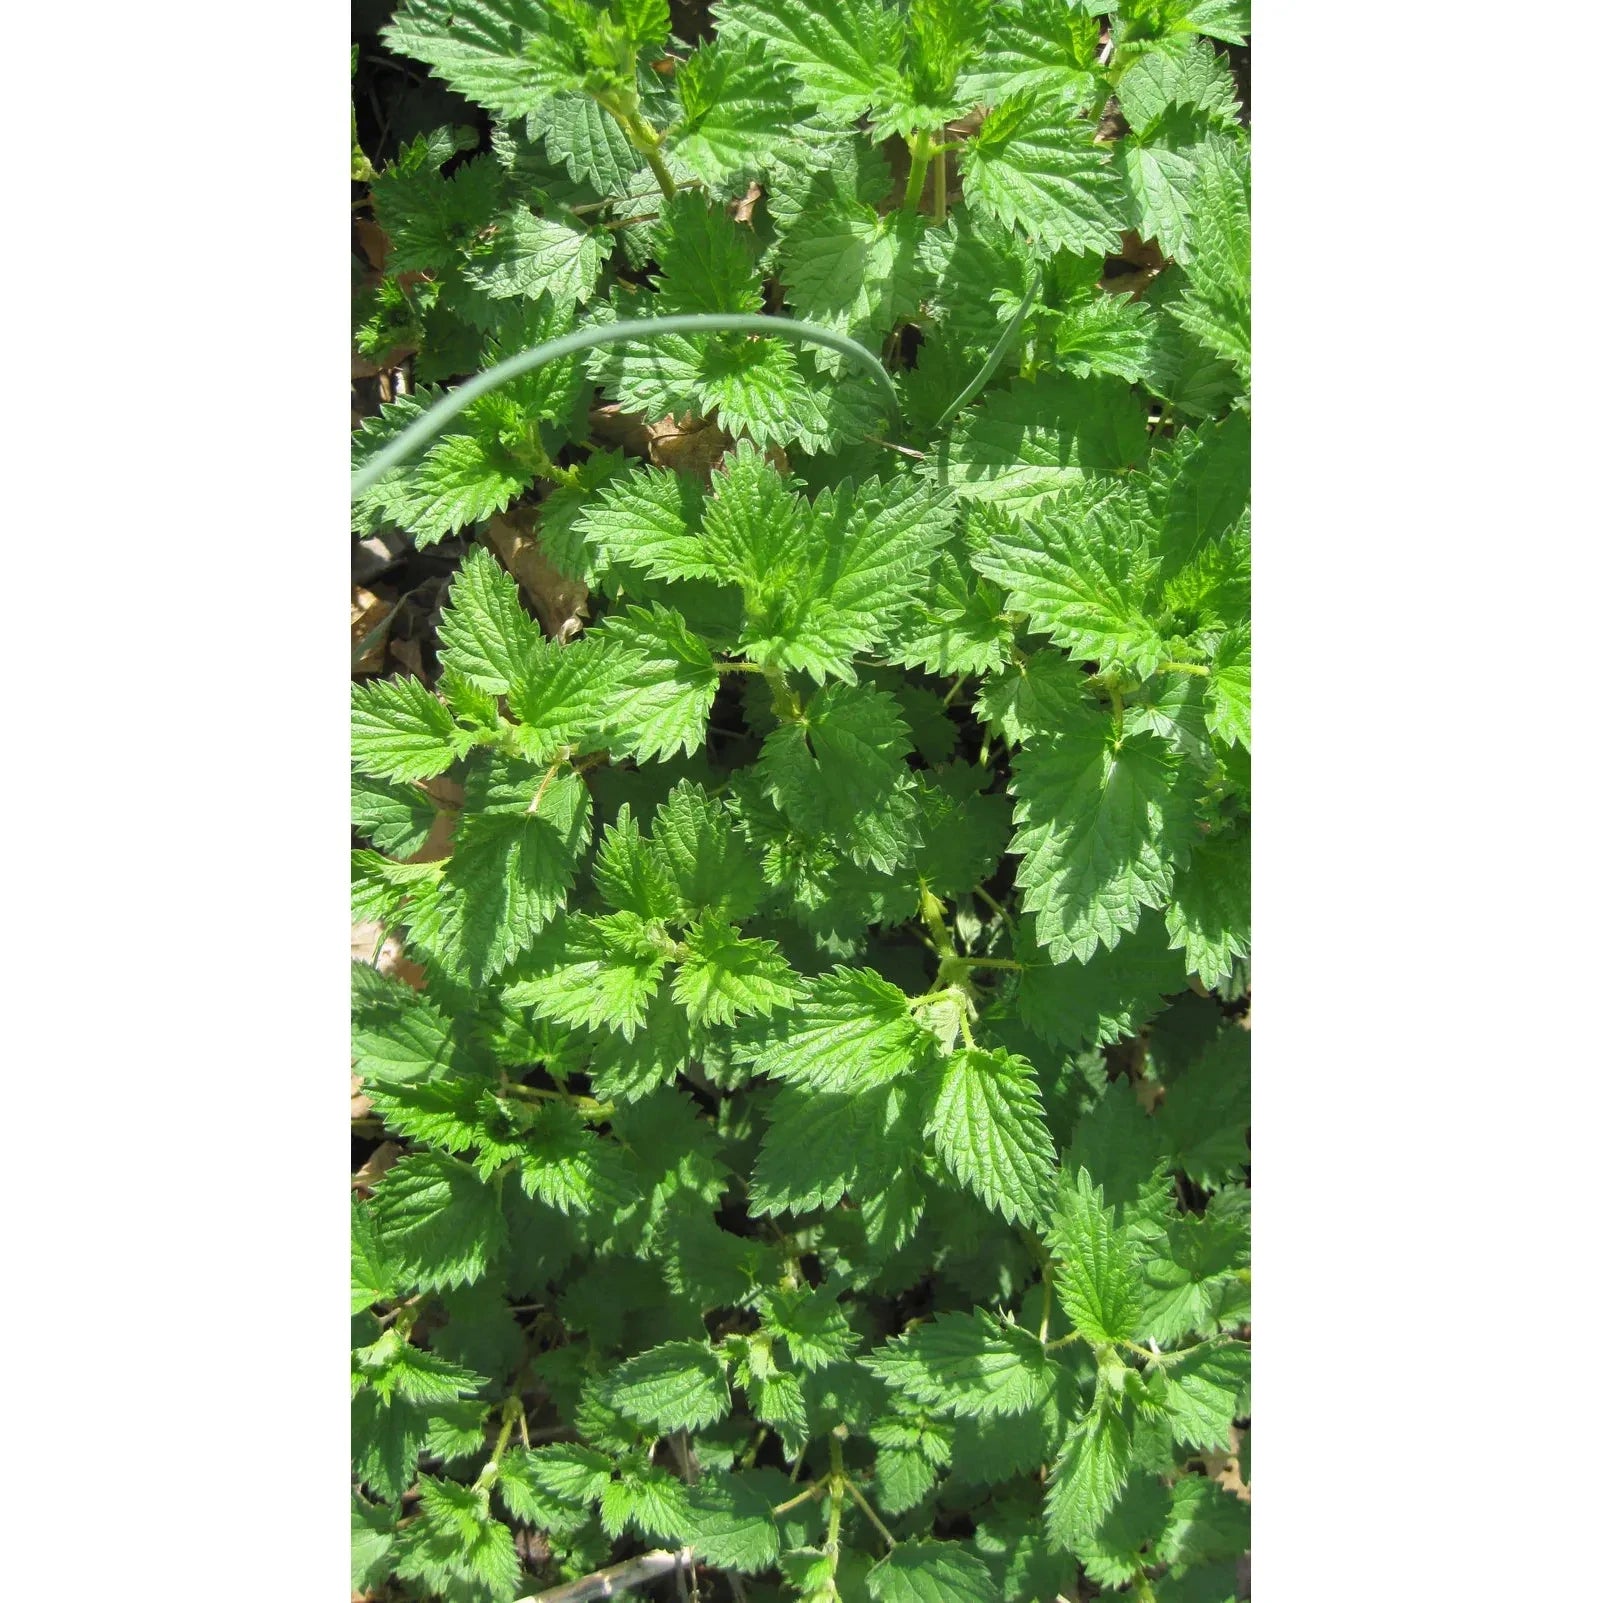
{"points": [[822, 1106]]}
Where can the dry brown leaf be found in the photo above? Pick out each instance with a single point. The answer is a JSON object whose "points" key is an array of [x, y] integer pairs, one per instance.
{"points": [[392, 960], [448, 794], [381, 1159], [1133, 267], [373, 242], [410, 656], [370, 557], [1226, 1468], [560, 603], [691, 445], [611, 425], [368, 611]]}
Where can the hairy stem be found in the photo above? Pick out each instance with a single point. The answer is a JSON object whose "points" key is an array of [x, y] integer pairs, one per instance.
{"points": [[786, 702], [511, 1414], [817, 1489], [920, 148]]}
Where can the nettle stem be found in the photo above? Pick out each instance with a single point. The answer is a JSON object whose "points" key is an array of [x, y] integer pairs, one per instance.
{"points": [[786, 702], [511, 1414], [921, 147], [622, 104], [837, 1503], [874, 1519]]}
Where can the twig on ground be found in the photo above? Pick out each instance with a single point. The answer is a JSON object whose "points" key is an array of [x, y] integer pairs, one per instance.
{"points": [[618, 1579]]}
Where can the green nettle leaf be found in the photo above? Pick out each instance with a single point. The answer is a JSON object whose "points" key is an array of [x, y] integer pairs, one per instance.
{"points": [[1230, 689], [842, 50], [400, 731], [1089, 1474], [989, 1127], [1210, 917], [817, 1036], [850, 1029], [1032, 441], [649, 520], [1098, 1283], [514, 862], [396, 818], [733, 99], [931, 1572], [850, 269], [1102, 824], [839, 772], [731, 1525], [1038, 46], [1203, 1392], [1215, 308], [724, 974], [507, 55], [438, 1220], [1109, 996], [661, 685], [486, 635], [971, 1365], [818, 1144], [1082, 573], [678, 1386], [1032, 169], [1208, 1108], [1204, 1522], [457, 1539]]}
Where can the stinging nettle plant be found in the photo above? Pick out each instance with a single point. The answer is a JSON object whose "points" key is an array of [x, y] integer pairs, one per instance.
{"points": [[815, 1151]]}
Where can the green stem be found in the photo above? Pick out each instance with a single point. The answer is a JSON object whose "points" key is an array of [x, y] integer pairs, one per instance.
{"points": [[1196, 668], [862, 1502], [1046, 1299], [987, 962], [932, 912], [659, 171], [920, 148], [411, 439], [511, 1413], [998, 351], [623, 106], [817, 1489], [837, 1479], [940, 183], [786, 702], [738, 667]]}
